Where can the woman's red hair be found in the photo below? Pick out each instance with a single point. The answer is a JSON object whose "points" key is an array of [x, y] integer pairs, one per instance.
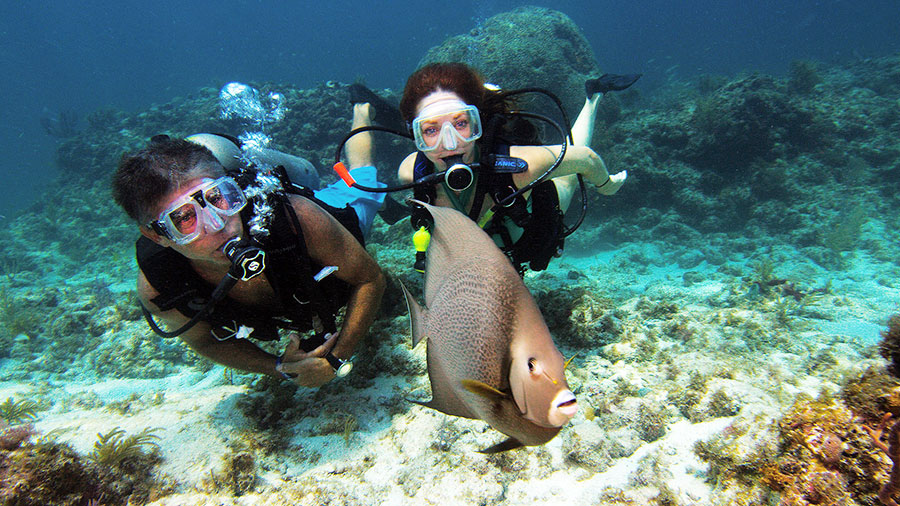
{"points": [[458, 78]]}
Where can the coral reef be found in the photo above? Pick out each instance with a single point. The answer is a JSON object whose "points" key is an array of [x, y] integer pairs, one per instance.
{"points": [[827, 454], [13, 437], [53, 473], [729, 155], [892, 450], [529, 46]]}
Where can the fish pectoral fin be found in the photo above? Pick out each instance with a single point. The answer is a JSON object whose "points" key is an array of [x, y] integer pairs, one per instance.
{"points": [[503, 446], [417, 315], [484, 390]]}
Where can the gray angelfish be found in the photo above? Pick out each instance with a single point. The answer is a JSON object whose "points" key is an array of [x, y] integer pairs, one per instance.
{"points": [[490, 354]]}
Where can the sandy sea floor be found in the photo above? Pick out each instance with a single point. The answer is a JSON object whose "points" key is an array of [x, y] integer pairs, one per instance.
{"points": [[700, 354]]}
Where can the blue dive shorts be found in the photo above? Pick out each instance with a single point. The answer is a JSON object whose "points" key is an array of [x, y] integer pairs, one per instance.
{"points": [[366, 204]]}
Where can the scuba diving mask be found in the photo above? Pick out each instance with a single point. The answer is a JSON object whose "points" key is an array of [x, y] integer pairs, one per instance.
{"points": [[444, 123], [200, 208]]}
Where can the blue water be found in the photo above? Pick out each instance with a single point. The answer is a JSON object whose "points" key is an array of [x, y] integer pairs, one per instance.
{"points": [[83, 56]]}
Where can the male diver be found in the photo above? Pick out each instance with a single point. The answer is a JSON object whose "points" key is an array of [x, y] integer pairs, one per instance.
{"points": [[207, 232]]}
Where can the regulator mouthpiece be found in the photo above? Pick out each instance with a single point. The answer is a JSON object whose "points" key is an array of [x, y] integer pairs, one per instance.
{"points": [[458, 175], [247, 260]]}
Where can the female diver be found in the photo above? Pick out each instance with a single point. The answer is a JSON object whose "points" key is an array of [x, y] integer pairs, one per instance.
{"points": [[452, 113]]}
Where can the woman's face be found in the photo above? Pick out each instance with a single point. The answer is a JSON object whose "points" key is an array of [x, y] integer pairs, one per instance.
{"points": [[433, 130]]}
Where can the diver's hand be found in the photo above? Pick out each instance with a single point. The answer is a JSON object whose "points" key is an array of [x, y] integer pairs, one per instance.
{"points": [[311, 372], [615, 182], [293, 352]]}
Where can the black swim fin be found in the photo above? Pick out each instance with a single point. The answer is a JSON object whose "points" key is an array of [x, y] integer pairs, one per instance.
{"points": [[392, 211], [609, 82], [386, 114]]}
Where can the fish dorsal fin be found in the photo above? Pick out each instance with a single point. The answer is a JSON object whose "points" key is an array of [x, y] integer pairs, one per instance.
{"points": [[417, 315], [484, 390], [503, 446]]}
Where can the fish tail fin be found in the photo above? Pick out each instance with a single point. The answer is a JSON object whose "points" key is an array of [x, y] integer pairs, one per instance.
{"points": [[417, 316], [503, 446]]}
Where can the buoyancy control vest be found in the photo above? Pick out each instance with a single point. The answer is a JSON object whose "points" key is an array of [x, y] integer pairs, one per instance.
{"points": [[305, 303], [538, 216]]}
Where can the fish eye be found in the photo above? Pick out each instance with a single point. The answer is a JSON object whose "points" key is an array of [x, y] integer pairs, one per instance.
{"points": [[532, 363]]}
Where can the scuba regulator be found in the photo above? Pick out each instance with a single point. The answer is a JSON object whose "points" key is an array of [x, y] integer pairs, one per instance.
{"points": [[247, 261]]}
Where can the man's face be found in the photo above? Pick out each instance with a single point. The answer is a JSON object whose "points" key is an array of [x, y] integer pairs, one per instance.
{"points": [[200, 216]]}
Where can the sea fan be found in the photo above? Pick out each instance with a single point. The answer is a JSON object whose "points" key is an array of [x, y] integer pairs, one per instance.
{"points": [[14, 412], [113, 447]]}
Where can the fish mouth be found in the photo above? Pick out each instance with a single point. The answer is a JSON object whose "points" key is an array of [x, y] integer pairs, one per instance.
{"points": [[565, 405]]}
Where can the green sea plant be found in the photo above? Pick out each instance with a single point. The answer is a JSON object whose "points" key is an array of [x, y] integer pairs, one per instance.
{"points": [[843, 234], [238, 474], [763, 271], [721, 404], [803, 76], [686, 400], [350, 425], [709, 83], [113, 448], [16, 316], [706, 116], [11, 267], [13, 412], [784, 308], [651, 423]]}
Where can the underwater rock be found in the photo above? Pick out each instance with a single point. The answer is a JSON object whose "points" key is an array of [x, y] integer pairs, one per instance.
{"points": [[306, 122], [743, 121], [528, 46], [587, 446], [751, 152]]}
